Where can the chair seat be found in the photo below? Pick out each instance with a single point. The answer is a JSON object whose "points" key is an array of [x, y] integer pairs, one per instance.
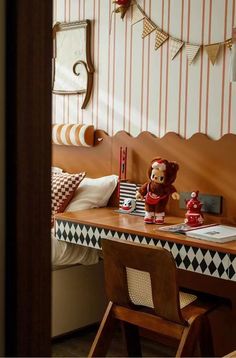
{"points": [[140, 289], [230, 355]]}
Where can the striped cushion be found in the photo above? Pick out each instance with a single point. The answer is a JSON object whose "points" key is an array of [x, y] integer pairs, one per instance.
{"points": [[62, 190], [73, 134]]}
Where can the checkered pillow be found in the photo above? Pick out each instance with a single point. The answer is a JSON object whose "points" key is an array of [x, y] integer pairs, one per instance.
{"points": [[62, 190]]}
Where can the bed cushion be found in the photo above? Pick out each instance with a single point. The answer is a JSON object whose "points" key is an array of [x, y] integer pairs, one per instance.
{"points": [[64, 253], [56, 170], [62, 190], [93, 193], [73, 134]]}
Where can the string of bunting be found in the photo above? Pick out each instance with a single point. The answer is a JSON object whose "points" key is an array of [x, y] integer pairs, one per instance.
{"points": [[176, 45]]}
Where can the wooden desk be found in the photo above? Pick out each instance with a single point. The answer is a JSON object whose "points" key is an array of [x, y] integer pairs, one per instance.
{"points": [[88, 227], [202, 265]]}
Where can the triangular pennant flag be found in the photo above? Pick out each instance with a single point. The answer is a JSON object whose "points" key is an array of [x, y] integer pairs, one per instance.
{"points": [[161, 37], [148, 27], [137, 15], [191, 51], [175, 46], [212, 51], [229, 43]]}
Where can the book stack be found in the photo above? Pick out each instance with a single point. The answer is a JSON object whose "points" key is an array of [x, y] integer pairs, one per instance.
{"points": [[181, 228]]}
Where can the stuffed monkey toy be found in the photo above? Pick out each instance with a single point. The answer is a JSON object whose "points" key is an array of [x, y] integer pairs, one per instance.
{"points": [[157, 190]]}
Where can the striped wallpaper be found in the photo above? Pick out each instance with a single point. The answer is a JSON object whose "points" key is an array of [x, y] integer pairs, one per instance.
{"points": [[139, 89]]}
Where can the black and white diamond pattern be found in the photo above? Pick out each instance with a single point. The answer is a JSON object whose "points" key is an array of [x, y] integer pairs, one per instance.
{"points": [[207, 262], [232, 267]]}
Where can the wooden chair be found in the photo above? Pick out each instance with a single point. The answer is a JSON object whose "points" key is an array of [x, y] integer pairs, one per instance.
{"points": [[158, 311], [230, 355]]}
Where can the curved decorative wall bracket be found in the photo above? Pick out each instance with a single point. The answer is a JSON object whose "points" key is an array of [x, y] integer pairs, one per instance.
{"points": [[72, 65]]}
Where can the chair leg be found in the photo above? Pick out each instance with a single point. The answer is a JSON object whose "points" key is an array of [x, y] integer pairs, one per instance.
{"points": [[206, 342], [132, 340], [190, 338], [104, 335]]}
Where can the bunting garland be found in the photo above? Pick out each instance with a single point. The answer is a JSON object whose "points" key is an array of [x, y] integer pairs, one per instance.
{"points": [[191, 51], [148, 27], [176, 45], [137, 15], [212, 51], [229, 43], [161, 37]]}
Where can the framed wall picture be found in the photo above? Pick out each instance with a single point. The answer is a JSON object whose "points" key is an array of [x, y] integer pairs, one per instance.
{"points": [[72, 65]]}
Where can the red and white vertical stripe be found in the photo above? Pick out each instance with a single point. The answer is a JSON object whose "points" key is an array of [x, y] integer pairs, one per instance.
{"points": [[137, 88]]}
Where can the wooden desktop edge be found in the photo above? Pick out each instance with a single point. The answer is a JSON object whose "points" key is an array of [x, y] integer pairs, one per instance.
{"points": [[109, 218]]}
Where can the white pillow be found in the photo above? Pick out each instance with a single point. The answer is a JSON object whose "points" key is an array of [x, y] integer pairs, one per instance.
{"points": [[93, 193], [56, 170]]}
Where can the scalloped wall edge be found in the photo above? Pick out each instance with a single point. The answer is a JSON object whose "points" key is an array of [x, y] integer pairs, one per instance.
{"points": [[101, 134]]}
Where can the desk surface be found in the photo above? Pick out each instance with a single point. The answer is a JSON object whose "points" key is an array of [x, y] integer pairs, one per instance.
{"points": [[109, 218]]}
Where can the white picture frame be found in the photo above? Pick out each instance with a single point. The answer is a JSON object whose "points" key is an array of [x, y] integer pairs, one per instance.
{"points": [[72, 65]]}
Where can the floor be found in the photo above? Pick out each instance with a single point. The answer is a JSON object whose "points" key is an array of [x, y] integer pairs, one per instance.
{"points": [[79, 344]]}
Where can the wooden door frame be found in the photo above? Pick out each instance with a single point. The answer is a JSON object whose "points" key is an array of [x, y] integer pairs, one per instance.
{"points": [[28, 162]]}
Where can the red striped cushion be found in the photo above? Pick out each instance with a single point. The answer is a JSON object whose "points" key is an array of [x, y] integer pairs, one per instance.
{"points": [[62, 190]]}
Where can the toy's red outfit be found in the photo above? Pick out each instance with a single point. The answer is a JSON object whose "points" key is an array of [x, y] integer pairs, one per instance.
{"points": [[156, 192]]}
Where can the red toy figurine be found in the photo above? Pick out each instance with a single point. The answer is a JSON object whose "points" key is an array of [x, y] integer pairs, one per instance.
{"points": [[193, 215], [157, 190]]}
